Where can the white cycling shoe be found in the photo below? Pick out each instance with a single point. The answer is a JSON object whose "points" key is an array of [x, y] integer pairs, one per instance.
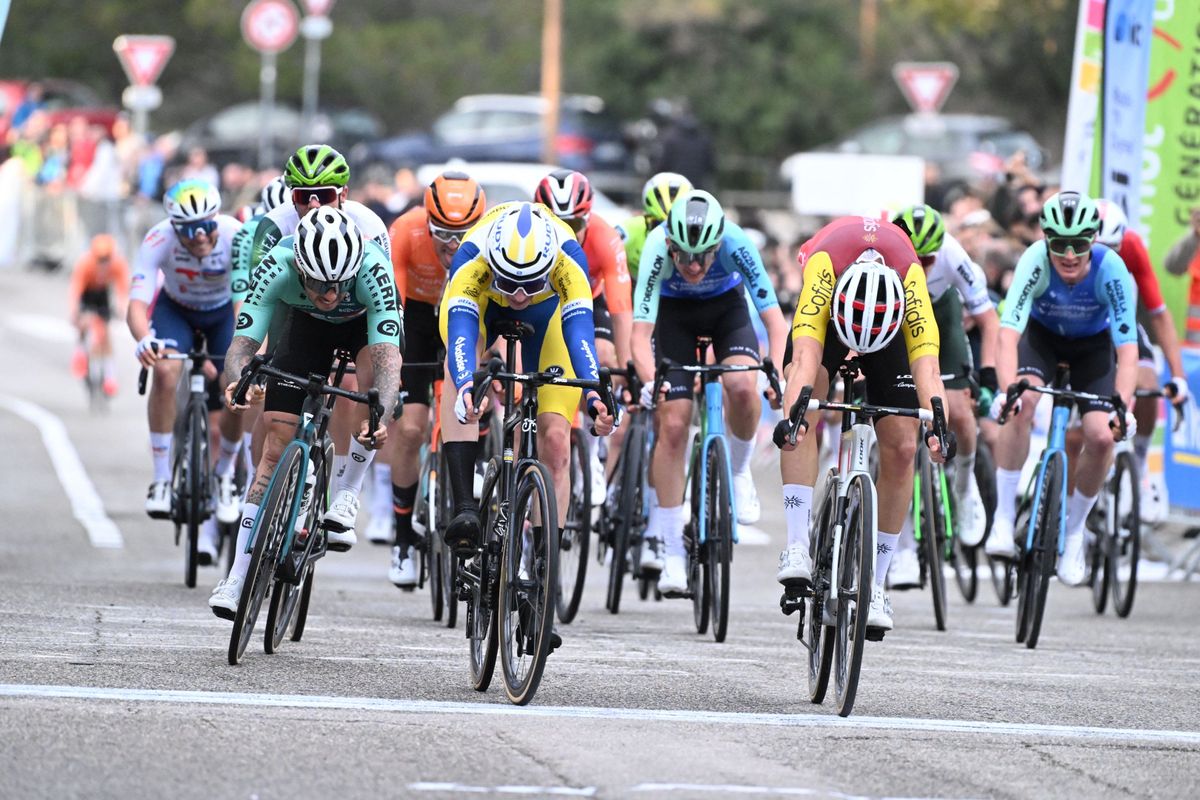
{"points": [[339, 521], [674, 576], [1071, 567], [403, 572], [795, 566], [905, 571], [158, 500], [880, 613], [652, 558], [225, 597], [972, 517], [745, 497], [208, 544], [379, 529], [229, 503], [1000, 542]]}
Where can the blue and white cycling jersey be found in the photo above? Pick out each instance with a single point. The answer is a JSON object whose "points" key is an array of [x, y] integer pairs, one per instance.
{"points": [[1106, 297], [737, 263]]}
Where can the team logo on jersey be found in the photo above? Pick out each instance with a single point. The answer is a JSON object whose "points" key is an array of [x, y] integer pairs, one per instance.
{"points": [[244, 321], [388, 328], [913, 311]]}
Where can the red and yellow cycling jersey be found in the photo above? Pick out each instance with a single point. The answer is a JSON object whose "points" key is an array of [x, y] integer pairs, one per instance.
{"points": [[419, 273], [839, 244]]}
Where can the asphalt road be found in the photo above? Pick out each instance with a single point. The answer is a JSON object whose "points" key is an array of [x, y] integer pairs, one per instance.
{"points": [[113, 680]]}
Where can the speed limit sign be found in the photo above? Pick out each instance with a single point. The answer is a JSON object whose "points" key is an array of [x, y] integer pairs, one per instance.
{"points": [[270, 26]]}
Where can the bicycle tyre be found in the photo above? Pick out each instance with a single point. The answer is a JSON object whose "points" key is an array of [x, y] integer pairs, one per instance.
{"points": [[526, 604], [286, 598], [325, 475], [1045, 548], [275, 516], [301, 619], [575, 535], [1125, 541], [195, 454], [1097, 557], [719, 540], [631, 469], [482, 637], [854, 584], [819, 637], [426, 507], [445, 513], [697, 579], [933, 540]]}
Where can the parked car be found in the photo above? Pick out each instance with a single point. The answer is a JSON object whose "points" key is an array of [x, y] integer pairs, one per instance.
{"points": [[232, 133], [506, 181], [63, 101], [963, 146], [508, 127]]}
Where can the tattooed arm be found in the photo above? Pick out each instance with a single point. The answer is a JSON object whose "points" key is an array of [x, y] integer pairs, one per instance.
{"points": [[240, 351], [385, 367]]}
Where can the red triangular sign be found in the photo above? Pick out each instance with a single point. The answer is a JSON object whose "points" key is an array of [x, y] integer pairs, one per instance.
{"points": [[144, 57], [925, 85]]}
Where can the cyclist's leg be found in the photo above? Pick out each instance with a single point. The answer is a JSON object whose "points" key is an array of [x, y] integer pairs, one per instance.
{"points": [[1145, 409], [735, 342], [171, 324], [218, 333]]}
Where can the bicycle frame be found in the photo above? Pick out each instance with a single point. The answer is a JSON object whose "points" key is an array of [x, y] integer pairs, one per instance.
{"points": [[712, 426], [854, 453], [1055, 448]]}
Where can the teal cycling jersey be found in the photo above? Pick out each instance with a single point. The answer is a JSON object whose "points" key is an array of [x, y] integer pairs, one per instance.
{"points": [[1105, 298], [737, 263], [373, 295], [241, 253]]}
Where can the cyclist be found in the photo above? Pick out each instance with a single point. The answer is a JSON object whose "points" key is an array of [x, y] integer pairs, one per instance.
{"points": [[191, 251], [96, 273], [341, 294], [1116, 234], [519, 262], [953, 280], [658, 195], [694, 275], [863, 275], [274, 194], [1074, 302], [569, 195], [424, 242]]}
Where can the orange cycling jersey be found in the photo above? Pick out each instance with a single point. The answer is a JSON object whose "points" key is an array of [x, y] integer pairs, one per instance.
{"points": [[93, 274], [607, 267], [420, 275], [839, 244]]}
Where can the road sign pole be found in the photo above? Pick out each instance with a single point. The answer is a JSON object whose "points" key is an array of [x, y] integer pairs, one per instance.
{"points": [[312, 77], [265, 110]]}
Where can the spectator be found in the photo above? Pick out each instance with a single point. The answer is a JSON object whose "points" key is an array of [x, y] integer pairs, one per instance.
{"points": [[376, 193], [198, 167], [83, 142], [686, 148], [34, 101], [1184, 259]]}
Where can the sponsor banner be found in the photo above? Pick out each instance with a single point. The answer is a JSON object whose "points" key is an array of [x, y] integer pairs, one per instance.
{"points": [[1084, 102], [1181, 447], [1171, 149], [1127, 35]]}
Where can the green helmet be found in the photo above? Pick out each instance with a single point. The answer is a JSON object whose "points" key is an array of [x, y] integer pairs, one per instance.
{"points": [[316, 165], [696, 222], [661, 192], [924, 227], [1070, 214]]}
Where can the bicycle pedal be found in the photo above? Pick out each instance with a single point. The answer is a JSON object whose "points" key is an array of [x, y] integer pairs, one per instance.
{"points": [[790, 605], [875, 634], [677, 595]]}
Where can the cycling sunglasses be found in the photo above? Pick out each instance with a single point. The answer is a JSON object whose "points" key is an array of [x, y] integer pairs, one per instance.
{"points": [[326, 195], [510, 287], [190, 230], [321, 288], [577, 224], [447, 235], [682, 258], [1061, 245]]}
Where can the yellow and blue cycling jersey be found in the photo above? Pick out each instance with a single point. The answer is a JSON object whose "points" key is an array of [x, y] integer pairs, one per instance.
{"points": [[561, 314]]}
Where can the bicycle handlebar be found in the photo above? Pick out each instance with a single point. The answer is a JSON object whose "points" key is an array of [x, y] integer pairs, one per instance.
{"points": [[144, 374], [788, 428], [666, 365], [1020, 387], [494, 371]]}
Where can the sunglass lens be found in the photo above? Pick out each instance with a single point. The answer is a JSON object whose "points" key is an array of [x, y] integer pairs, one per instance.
{"points": [[324, 195]]}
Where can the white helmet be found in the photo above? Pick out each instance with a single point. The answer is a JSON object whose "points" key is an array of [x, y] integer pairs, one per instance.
{"points": [[328, 245], [522, 246], [1113, 223], [867, 305], [192, 200], [274, 193]]}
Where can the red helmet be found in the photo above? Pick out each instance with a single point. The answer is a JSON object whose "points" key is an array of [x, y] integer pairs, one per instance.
{"points": [[565, 192]]}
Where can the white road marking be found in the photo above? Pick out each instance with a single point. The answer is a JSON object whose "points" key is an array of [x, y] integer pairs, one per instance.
{"points": [[86, 504], [464, 788], [673, 716], [43, 326]]}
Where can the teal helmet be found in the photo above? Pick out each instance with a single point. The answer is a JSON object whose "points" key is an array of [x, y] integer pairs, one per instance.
{"points": [[696, 222], [316, 165], [924, 226], [1070, 214]]}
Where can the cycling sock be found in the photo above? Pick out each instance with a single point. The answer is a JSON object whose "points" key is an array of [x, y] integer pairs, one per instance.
{"points": [[160, 452], [740, 452], [1141, 448], [402, 507], [109, 367], [229, 451], [339, 466], [359, 461], [460, 463], [1008, 481], [908, 539], [241, 559], [1078, 506], [381, 489], [670, 529], [883, 554], [797, 512], [964, 472]]}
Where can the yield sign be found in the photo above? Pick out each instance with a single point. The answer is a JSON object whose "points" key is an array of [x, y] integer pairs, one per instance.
{"points": [[925, 85], [143, 57]]}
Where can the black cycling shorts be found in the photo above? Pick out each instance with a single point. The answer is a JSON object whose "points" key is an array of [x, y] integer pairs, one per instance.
{"points": [[1145, 347], [954, 351], [602, 319], [96, 302], [422, 344], [1092, 361], [306, 346], [724, 318], [889, 380]]}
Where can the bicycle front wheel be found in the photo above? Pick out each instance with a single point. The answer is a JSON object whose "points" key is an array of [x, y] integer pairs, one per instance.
{"points": [[933, 540], [620, 520], [816, 635], [854, 584], [483, 574], [528, 583], [426, 510], [573, 544], [718, 542], [195, 488], [1038, 563], [1125, 541]]}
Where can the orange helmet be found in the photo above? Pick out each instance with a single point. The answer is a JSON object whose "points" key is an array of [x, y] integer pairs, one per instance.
{"points": [[454, 200]]}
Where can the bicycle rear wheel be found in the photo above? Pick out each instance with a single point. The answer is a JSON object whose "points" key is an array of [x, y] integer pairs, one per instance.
{"points": [[1097, 557], [290, 601], [818, 637], [426, 510], [854, 591], [195, 487], [445, 513], [630, 469], [1125, 541], [719, 538], [576, 535], [1038, 563], [482, 636], [933, 538], [697, 560], [528, 584], [274, 520]]}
